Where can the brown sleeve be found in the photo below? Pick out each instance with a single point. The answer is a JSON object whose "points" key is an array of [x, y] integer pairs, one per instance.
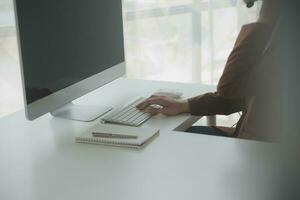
{"points": [[232, 87], [214, 104], [237, 78]]}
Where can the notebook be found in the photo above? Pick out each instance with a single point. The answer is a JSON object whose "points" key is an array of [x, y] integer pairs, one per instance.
{"points": [[144, 136]]}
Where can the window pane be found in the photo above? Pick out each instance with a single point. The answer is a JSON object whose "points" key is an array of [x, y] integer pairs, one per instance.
{"points": [[186, 41]]}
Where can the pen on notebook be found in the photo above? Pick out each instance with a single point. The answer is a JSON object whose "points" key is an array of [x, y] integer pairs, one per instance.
{"points": [[112, 135]]}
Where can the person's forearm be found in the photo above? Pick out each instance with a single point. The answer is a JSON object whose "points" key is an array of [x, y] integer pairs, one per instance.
{"points": [[213, 104]]}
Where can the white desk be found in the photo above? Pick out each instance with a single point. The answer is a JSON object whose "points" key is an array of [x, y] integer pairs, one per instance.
{"points": [[40, 161]]}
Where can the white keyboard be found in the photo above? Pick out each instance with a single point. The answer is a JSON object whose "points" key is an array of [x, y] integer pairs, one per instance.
{"points": [[128, 115]]}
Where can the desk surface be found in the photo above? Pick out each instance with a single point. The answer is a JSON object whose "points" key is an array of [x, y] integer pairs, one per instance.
{"points": [[40, 161]]}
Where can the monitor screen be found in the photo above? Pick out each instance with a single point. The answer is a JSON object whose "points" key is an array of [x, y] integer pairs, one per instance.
{"points": [[66, 41]]}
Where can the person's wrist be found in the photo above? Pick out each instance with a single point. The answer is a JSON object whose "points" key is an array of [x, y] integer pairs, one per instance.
{"points": [[185, 107]]}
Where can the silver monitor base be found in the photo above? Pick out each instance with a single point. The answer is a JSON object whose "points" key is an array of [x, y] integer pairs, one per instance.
{"points": [[80, 112]]}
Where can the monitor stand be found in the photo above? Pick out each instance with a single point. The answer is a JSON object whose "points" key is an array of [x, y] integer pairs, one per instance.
{"points": [[80, 112]]}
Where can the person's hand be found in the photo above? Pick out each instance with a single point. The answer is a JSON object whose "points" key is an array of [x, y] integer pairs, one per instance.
{"points": [[164, 105]]}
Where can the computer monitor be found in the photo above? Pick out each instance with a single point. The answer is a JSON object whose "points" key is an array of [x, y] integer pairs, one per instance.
{"points": [[67, 49]]}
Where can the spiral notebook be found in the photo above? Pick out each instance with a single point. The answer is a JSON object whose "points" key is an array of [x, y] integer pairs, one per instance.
{"points": [[143, 136]]}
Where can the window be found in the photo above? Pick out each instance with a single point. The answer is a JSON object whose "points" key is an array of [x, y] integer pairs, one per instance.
{"points": [[10, 80], [182, 40]]}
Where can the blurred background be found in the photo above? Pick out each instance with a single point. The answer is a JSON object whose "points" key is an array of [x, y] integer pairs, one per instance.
{"points": [[169, 40]]}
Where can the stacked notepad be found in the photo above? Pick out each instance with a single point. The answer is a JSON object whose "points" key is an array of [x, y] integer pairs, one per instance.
{"points": [[122, 136]]}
